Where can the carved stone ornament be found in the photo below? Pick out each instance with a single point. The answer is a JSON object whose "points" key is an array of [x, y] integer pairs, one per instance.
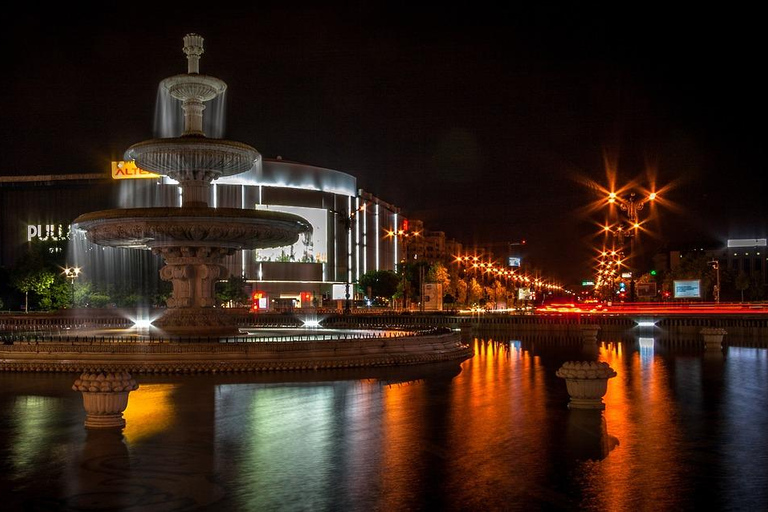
{"points": [[105, 397], [713, 337], [587, 383]]}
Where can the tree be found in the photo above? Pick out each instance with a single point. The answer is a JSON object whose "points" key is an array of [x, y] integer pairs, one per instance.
{"points": [[474, 291], [756, 286], [461, 291], [439, 274], [36, 281], [232, 291], [379, 283], [742, 283], [692, 266]]}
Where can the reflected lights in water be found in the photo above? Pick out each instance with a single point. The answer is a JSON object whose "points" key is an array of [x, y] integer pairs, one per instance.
{"points": [[647, 470], [150, 411], [286, 438], [747, 456], [32, 419]]}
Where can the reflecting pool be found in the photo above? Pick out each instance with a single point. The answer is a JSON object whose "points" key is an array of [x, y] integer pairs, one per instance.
{"points": [[683, 428]]}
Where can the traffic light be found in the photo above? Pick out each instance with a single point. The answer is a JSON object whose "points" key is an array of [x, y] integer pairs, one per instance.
{"points": [[653, 272]]}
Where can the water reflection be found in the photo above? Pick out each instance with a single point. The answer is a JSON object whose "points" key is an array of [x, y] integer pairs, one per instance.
{"points": [[681, 429]]}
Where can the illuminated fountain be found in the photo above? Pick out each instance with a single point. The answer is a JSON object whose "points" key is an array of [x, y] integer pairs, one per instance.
{"points": [[192, 239]]}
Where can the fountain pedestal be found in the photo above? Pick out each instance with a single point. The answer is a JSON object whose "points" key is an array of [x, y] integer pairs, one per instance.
{"points": [[587, 383], [105, 397]]}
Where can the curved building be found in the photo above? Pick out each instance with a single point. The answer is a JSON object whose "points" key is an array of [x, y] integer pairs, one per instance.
{"points": [[348, 238]]}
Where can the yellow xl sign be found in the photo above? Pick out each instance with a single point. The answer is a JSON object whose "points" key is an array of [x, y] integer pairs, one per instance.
{"points": [[128, 171]]}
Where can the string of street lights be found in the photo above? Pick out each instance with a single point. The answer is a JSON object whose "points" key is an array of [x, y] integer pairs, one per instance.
{"points": [[487, 268]]}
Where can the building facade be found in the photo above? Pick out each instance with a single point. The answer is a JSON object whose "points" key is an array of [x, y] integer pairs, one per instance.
{"points": [[348, 237]]}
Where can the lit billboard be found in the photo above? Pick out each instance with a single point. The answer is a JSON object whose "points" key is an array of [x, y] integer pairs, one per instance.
{"points": [[311, 247], [524, 294], [514, 261], [690, 289], [339, 292], [128, 171]]}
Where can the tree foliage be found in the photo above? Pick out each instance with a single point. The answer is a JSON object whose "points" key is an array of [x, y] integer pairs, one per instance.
{"points": [[232, 291], [379, 283]]}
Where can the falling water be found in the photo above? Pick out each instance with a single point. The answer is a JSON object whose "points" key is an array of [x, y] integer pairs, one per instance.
{"points": [[119, 272], [169, 117], [146, 193]]}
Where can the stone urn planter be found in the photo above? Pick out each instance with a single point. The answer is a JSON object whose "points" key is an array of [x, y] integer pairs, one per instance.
{"points": [[105, 397], [713, 337], [587, 383]]}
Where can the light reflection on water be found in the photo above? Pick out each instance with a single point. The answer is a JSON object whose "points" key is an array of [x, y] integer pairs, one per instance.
{"points": [[682, 429]]}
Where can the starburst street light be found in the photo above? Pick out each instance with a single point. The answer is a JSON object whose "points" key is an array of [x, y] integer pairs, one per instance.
{"points": [[628, 228]]}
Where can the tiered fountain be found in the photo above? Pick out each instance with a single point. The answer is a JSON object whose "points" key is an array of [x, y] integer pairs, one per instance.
{"points": [[192, 239]]}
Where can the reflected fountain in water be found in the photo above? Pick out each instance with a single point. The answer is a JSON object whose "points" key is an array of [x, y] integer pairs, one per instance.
{"points": [[590, 349], [587, 435]]}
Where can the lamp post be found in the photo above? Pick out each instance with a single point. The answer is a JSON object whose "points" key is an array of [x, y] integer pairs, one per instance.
{"points": [[71, 273], [632, 206], [347, 219], [716, 265]]}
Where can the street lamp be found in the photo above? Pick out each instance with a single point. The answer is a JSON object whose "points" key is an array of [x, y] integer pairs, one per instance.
{"points": [[71, 273], [632, 205], [716, 265], [347, 219]]}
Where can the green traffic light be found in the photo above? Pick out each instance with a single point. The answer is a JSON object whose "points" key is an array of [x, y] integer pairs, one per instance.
{"points": [[653, 272]]}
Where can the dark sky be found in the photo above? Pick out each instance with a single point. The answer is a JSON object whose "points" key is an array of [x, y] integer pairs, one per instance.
{"points": [[487, 123]]}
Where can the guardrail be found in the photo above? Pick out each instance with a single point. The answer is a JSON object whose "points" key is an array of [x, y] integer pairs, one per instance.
{"points": [[9, 339]]}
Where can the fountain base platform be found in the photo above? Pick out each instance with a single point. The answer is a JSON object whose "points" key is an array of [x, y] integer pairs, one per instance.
{"points": [[197, 322]]}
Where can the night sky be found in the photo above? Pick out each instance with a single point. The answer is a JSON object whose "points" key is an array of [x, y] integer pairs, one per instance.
{"points": [[486, 123]]}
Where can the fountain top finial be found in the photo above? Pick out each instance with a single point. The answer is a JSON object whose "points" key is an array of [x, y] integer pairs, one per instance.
{"points": [[193, 48]]}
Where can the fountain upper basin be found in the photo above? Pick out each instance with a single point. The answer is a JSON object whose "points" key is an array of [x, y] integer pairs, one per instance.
{"points": [[194, 85], [193, 154]]}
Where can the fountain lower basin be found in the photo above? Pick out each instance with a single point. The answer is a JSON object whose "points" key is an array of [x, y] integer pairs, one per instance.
{"points": [[193, 242]]}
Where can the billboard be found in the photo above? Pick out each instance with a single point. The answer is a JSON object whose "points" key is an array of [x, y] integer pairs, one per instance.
{"points": [[747, 242], [128, 171], [433, 297], [311, 247], [339, 292], [524, 294], [646, 290], [690, 289], [514, 261]]}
